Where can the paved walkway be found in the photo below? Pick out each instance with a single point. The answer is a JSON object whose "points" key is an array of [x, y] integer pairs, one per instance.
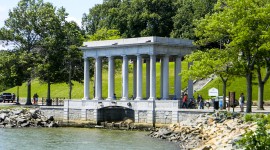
{"points": [[210, 109], [254, 109]]}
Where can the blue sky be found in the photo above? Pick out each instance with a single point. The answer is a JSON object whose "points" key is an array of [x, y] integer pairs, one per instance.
{"points": [[75, 8]]}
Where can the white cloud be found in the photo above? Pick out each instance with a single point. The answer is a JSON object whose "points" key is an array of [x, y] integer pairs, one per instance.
{"points": [[71, 18], [3, 14]]}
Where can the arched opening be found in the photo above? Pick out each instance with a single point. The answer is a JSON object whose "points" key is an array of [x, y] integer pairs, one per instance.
{"points": [[114, 114]]}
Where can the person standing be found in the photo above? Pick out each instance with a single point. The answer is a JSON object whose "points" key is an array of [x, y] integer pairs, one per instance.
{"points": [[35, 97], [185, 98], [242, 102], [200, 102]]}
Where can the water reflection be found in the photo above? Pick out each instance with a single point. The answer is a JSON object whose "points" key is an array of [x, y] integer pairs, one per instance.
{"points": [[79, 139]]}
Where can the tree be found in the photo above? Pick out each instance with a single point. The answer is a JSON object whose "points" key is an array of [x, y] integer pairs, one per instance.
{"points": [[265, 62], [22, 28], [105, 34], [151, 18], [243, 24], [133, 18], [211, 62], [73, 57], [12, 70], [187, 12]]}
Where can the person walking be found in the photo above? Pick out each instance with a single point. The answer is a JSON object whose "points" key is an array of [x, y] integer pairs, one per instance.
{"points": [[242, 102]]}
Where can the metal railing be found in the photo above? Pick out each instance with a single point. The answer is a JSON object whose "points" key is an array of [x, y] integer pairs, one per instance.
{"points": [[55, 101]]}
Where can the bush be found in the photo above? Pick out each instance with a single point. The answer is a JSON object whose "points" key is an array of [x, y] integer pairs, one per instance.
{"points": [[256, 140]]}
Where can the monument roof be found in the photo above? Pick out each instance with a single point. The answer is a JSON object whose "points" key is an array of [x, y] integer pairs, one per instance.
{"points": [[134, 46]]}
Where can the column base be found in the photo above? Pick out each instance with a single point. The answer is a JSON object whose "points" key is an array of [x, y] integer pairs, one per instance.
{"points": [[138, 98], [124, 99], [109, 99], [86, 98], [151, 99], [97, 98]]}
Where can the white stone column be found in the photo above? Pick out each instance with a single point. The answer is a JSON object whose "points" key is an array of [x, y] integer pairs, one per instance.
{"points": [[139, 77], [125, 78], [165, 77], [190, 84], [134, 78], [161, 77], [86, 79], [110, 77], [98, 79], [152, 77], [147, 78], [177, 77]]}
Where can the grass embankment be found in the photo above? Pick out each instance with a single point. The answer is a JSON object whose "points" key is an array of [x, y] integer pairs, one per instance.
{"points": [[61, 89], [237, 85]]}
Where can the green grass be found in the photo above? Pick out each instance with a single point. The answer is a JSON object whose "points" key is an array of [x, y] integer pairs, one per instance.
{"points": [[237, 85]]}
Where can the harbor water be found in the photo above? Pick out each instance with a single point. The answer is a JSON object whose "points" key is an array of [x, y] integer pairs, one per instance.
{"points": [[79, 139]]}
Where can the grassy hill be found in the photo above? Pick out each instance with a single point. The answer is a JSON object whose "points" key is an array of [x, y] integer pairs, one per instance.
{"points": [[61, 89]]}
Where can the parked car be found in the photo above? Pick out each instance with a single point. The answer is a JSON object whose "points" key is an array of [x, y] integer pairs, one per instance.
{"points": [[6, 97], [210, 102]]}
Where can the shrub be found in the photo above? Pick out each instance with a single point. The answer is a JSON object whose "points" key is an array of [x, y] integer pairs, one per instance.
{"points": [[256, 140]]}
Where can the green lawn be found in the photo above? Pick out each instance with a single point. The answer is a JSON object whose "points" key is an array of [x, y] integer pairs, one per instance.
{"points": [[61, 90]]}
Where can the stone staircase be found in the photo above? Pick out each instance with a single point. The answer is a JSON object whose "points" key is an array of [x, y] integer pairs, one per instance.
{"points": [[199, 84]]}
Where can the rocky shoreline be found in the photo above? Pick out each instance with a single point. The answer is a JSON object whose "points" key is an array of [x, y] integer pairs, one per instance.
{"points": [[207, 131], [18, 118], [219, 130]]}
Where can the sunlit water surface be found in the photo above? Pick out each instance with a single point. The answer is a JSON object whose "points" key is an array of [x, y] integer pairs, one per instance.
{"points": [[79, 139]]}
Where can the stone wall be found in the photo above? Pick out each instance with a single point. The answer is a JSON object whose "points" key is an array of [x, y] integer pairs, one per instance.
{"points": [[90, 114], [56, 112], [163, 117], [166, 112]]}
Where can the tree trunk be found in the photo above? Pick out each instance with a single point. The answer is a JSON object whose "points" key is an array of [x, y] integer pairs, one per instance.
{"points": [[17, 98], [260, 89], [49, 93], [249, 92], [28, 100], [224, 93], [260, 96], [69, 82], [224, 81]]}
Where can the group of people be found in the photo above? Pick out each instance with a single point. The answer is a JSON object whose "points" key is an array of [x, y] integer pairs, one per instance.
{"points": [[200, 102], [191, 103]]}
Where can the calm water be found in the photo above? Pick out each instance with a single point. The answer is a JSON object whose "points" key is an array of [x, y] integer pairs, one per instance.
{"points": [[79, 139]]}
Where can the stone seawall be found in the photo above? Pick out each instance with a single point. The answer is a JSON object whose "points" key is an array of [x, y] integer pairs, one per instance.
{"points": [[163, 118], [217, 131]]}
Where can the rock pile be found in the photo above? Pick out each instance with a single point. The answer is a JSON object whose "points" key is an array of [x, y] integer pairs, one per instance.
{"points": [[216, 131], [127, 124], [25, 118]]}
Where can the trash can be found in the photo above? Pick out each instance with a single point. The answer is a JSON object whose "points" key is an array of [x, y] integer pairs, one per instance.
{"points": [[221, 103], [216, 106], [49, 102]]}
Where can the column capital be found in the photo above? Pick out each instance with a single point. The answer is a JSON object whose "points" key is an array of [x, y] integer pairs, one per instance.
{"points": [[178, 56], [110, 56], [97, 57]]}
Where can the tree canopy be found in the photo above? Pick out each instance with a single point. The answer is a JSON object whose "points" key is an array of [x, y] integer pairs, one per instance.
{"points": [[242, 26], [136, 18]]}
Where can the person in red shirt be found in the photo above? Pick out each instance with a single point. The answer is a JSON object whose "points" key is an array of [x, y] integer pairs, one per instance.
{"points": [[185, 98]]}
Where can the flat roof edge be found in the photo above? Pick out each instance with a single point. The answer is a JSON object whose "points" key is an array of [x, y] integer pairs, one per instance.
{"points": [[139, 41]]}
